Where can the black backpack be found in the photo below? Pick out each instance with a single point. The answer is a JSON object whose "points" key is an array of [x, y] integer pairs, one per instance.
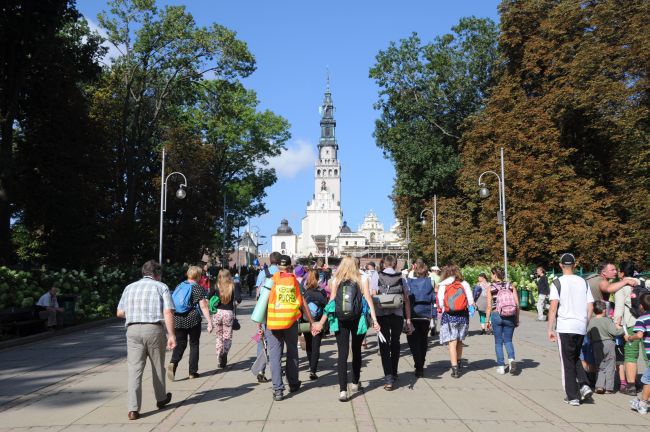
{"points": [[635, 298], [348, 301]]}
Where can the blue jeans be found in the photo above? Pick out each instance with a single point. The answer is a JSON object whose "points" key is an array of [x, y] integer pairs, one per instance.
{"points": [[503, 329]]}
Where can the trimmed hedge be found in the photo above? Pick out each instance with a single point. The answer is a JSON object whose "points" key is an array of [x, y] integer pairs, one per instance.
{"points": [[98, 292]]}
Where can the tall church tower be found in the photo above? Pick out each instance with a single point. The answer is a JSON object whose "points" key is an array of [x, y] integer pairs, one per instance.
{"points": [[324, 215]]}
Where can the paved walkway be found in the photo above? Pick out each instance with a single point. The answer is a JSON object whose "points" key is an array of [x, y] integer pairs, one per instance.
{"points": [[77, 382]]}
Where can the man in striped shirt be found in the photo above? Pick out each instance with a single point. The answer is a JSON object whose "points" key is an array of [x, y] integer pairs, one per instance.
{"points": [[148, 308]]}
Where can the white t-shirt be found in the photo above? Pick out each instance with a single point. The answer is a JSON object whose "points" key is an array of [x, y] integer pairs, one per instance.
{"points": [[574, 296], [47, 300]]}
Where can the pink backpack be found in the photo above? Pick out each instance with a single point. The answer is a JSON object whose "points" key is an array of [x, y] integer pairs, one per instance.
{"points": [[506, 301]]}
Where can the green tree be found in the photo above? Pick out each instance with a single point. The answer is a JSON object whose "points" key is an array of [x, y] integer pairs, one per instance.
{"points": [[571, 111], [46, 168], [222, 144], [164, 57], [427, 91]]}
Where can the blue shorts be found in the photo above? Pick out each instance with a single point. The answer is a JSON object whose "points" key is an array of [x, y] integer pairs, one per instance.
{"points": [[587, 352], [645, 379]]}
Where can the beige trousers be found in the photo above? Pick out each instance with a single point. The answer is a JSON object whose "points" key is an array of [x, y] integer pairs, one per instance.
{"points": [[145, 341]]}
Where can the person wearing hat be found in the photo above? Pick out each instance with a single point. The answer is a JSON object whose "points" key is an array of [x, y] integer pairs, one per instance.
{"points": [[435, 274], [285, 307], [572, 305], [299, 272]]}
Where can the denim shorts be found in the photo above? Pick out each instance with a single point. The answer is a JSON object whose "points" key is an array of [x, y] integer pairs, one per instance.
{"points": [[645, 379]]}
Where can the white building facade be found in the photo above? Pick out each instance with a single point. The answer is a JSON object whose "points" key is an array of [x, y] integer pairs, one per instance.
{"points": [[323, 231]]}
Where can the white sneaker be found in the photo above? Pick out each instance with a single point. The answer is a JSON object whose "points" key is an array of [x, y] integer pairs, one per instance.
{"points": [[501, 370], [572, 402], [343, 396], [513, 366], [585, 392], [355, 387], [638, 406]]}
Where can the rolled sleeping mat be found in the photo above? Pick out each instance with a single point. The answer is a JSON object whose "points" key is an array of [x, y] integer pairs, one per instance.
{"points": [[259, 312]]}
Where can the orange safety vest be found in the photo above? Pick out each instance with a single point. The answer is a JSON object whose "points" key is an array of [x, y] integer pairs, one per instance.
{"points": [[285, 300]]}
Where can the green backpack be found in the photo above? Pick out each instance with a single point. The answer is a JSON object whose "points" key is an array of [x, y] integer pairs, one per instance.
{"points": [[214, 301]]}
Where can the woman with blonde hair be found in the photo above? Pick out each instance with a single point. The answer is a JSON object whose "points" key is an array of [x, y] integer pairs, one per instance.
{"points": [[349, 278], [187, 321], [223, 319], [455, 300]]}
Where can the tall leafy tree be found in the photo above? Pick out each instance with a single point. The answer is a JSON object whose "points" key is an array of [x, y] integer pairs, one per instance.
{"points": [[571, 111], [427, 91], [222, 143], [47, 57], [164, 55]]}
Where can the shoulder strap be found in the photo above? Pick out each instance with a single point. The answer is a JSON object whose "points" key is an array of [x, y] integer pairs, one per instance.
{"points": [[267, 273], [556, 283]]}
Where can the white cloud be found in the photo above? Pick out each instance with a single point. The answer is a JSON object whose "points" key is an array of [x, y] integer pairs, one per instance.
{"points": [[112, 52], [297, 157]]}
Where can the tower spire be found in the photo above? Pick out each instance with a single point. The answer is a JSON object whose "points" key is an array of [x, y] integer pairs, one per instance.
{"points": [[327, 122]]}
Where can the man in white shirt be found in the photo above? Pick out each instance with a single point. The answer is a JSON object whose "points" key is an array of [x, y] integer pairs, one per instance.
{"points": [[572, 304], [48, 308]]}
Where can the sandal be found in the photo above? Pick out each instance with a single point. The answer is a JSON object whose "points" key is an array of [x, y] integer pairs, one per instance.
{"points": [[388, 387]]}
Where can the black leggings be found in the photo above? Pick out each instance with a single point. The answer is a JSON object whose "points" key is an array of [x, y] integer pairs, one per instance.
{"points": [[391, 328], [418, 342], [312, 343], [347, 328]]}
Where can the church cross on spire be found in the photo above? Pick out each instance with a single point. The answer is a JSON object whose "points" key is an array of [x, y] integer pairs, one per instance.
{"points": [[327, 122]]}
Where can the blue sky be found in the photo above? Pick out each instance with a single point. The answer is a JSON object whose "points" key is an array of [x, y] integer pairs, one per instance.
{"points": [[294, 42]]}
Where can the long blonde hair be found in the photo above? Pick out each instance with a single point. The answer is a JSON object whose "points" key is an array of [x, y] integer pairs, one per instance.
{"points": [[225, 285], [348, 270]]}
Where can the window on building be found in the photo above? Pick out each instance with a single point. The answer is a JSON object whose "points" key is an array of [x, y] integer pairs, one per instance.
{"points": [[318, 173], [355, 243], [346, 243], [283, 246], [336, 172]]}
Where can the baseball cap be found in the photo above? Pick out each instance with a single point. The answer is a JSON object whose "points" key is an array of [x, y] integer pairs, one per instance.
{"points": [[435, 268], [567, 259], [299, 271], [285, 260]]}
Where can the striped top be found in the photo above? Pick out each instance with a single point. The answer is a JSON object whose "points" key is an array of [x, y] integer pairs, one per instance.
{"points": [[144, 301], [643, 325]]}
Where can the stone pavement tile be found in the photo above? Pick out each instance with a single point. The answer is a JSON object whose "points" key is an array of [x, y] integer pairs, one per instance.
{"points": [[134, 426], [230, 426], [315, 425], [487, 403], [597, 412], [417, 425], [112, 413], [594, 427], [61, 409], [213, 405], [33, 429], [109, 381], [494, 426], [295, 409]]}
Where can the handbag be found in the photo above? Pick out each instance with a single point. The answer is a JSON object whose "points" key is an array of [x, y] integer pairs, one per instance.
{"points": [[304, 327], [235, 322], [388, 301]]}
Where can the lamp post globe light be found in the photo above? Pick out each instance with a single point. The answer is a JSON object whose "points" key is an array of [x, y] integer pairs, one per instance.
{"points": [[180, 194], [484, 192], [434, 226]]}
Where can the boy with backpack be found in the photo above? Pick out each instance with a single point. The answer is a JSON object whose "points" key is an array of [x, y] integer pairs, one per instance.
{"points": [[602, 331], [642, 332], [285, 307]]}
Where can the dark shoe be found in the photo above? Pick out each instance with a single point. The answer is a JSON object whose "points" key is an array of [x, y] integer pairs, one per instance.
{"points": [[134, 415], [313, 376], [223, 360], [419, 373], [454, 372], [161, 404], [630, 390], [599, 390], [294, 387], [482, 331], [171, 371], [194, 375], [278, 396], [261, 378]]}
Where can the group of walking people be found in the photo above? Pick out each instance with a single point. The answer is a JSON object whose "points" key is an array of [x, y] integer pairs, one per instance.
{"points": [[391, 302], [315, 301]]}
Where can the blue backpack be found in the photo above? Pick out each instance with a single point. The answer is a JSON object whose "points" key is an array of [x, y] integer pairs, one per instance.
{"points": [[421, 297], [182, 297]]}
